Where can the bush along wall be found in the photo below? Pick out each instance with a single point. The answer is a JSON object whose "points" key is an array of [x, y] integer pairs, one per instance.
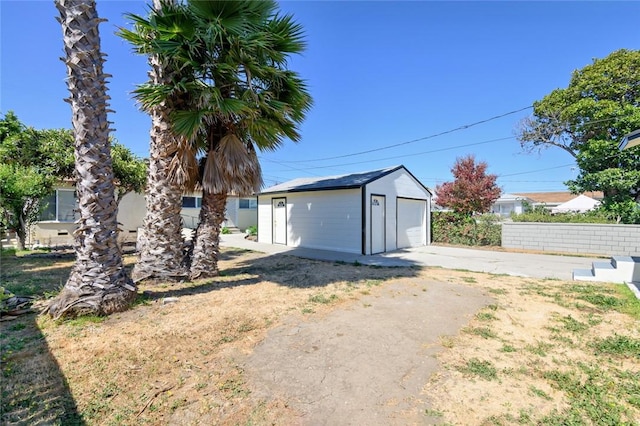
{"points": [[455, 228], [540, 214]]}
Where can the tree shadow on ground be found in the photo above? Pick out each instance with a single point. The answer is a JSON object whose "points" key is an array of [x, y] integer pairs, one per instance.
{"points": [[240, 267], [33, 388]]}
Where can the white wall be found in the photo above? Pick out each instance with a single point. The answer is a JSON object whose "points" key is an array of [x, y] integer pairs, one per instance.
{"points": [[130, 216], [328, 220], [396, 184]]}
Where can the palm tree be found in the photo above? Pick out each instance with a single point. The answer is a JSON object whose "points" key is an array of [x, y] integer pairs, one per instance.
{"points": [[161, 243], [237, 96], [98, 283]]}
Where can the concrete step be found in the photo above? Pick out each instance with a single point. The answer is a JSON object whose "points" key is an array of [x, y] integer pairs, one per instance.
{"points": [[619, 269], [583, 275]]}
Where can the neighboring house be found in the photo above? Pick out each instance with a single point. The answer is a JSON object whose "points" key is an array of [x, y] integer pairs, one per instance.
{"points": [[57, 220], [579, 204], [554, 199], [241, 213], [366, 213], [515, 203], [509, 203]]}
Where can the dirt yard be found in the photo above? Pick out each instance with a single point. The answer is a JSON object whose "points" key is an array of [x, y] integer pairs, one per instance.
{"points": [[281, 340]]}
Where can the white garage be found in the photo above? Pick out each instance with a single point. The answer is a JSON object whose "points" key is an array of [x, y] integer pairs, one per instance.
{"points": [[365, 213]]}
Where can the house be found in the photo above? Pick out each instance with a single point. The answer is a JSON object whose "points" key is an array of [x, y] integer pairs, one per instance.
{"points": [[57, 220], [554, 199], [365, 213], [241, 212], [516, 203], [509, 203]]}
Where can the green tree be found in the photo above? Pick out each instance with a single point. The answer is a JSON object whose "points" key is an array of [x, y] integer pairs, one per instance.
{"points": [[130, 171], [98, 283], [238, 96], [472, 190], [21, 189], [44, 158], [587, 119], [32, 160]]}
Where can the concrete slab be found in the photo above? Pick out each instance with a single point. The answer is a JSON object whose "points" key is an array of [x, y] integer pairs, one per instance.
{"points": [[495, 262]]}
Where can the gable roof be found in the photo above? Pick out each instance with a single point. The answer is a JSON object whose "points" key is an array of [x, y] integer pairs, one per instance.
{"points": [[557, 197], [349, 181], [581, 203]]}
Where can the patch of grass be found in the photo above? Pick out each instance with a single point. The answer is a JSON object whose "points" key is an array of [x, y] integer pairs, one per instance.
{"points": [[373, 283], [573, 325], [539, 393], [447, 341], [617, 345], [17, 327], [497, 291], [507, 349], [84, 321], [540, 348], [433, 413], [246, 326], [322, 299], [469, 280], [598, 295], [485, 332], [630, 303], [482, 369], [592, 396], [485, 316]]}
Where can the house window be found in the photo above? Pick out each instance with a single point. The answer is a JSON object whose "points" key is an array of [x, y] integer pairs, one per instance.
{"points": [[61, 206], [192, 202], [248, 203]]}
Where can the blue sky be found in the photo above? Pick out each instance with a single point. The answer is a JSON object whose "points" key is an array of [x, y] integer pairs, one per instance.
{"points": [[381, 74]]}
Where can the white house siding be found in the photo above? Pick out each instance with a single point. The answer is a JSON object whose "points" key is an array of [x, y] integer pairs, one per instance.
{"points": [[328, 220], [397, 184], [53, 233]]}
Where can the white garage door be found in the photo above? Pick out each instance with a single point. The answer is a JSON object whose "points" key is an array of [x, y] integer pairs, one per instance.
{"points": [[412, 223]]}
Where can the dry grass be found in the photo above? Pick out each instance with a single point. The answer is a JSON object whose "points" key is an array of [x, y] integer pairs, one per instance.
{"points": [[529, 358]]}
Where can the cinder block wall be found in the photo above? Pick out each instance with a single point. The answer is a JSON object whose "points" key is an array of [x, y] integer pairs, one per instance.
{"points": [[608, 240]]}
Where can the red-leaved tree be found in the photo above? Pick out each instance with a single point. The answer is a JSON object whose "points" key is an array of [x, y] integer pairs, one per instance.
{"points": [[472, 191]]}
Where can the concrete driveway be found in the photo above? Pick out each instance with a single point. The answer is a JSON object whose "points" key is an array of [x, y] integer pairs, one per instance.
{"points": [[495, 262]]}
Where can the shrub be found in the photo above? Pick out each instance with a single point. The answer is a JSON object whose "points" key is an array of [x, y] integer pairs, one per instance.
{"points": [[225, 230], [541, 214], [455, 228], [252, 230]]}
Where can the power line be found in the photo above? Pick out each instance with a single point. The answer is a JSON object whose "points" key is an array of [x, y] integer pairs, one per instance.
{"points": [[463, 127], [537, 170], [401, 156]]}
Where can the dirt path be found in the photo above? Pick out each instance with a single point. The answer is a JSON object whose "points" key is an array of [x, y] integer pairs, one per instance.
{"points": [[365, 364]]}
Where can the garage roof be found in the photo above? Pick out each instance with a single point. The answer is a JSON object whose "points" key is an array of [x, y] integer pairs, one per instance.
{"points": [[354, 180]]}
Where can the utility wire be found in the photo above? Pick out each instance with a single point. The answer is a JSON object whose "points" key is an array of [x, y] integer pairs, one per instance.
{"points": [[400, 156], [463, 127]]}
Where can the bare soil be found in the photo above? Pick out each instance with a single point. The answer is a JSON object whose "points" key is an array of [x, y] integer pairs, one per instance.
{"points": [[282, 340]]}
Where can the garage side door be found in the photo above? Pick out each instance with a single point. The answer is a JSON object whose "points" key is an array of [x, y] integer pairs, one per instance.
{"points": [[412, 223]]}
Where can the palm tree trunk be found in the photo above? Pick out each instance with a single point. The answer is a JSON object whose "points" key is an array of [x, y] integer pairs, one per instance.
{"points": [[206, 249], [98, 283], [161, 244]]}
